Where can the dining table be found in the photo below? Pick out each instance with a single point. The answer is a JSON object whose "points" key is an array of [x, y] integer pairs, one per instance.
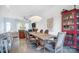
{"points": [[43, 36]]}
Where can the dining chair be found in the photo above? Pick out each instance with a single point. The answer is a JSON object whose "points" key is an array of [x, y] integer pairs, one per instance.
{"points": [[14, 39], [5, 42], [60, 42], [41, 31], [46, 31], [5, 45], [31, 36], [1, 45], [32, 40], [9, 39], [27, 35], [58, 46], [40, 45], [35, 29]]}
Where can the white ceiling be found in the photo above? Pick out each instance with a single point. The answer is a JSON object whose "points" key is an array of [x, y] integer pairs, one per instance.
{"points": [[19, 11]]}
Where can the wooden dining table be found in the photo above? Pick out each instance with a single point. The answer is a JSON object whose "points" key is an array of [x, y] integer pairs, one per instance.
{"points": [[42, 36]]}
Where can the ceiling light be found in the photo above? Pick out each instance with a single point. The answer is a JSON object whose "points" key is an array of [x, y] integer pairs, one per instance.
{"points": [[35, 18]]}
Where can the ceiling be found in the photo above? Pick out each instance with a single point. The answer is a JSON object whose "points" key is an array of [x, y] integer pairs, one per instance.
{"points": [[20, 11]]}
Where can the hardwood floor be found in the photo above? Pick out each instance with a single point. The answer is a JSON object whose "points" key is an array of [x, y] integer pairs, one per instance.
{"points": [[20, 47], [23, 46]]}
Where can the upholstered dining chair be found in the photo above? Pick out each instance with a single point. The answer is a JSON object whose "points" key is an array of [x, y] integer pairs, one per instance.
{"points": [[41, 31], [46, 31], [9, 39], [3, 43], [60, 42], [6, 42], [58, 48], [32, 40]]}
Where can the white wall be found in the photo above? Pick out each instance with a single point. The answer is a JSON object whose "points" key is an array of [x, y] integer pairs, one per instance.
{"points": [[54, 13], [41, 24], [56, 22], [51, 11]]}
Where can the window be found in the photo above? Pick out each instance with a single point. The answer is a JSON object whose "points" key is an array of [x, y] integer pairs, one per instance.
{"points": [[8, 26], [1, 27], [26, 26], [18, 26]]}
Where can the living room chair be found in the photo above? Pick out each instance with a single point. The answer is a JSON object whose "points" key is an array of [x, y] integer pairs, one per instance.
{"points": [[3, 43]]}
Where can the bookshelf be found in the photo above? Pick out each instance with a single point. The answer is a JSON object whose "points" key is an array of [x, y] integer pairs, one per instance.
{"points": [[70, 25]]}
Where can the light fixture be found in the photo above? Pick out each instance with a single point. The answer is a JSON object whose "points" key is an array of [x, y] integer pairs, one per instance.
{"points": [[35, 18]]}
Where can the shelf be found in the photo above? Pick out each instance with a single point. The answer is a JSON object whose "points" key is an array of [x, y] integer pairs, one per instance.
{"points": [[77, 47], [68, 24], [68, 19], [77, 23], [77, 40], [77, 17], [71, 18], [77, 44], [68, 27], [69, 38], [69, 44], [77, 31], [69, 31]]}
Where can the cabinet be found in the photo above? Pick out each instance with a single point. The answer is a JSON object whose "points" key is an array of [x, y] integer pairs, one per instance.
{"points": [[70, 25], [21, 34]]}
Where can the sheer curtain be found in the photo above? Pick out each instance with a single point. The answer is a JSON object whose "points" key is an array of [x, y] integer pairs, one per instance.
{"points": [[27, 26], [8, 26], [1, 27]]}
